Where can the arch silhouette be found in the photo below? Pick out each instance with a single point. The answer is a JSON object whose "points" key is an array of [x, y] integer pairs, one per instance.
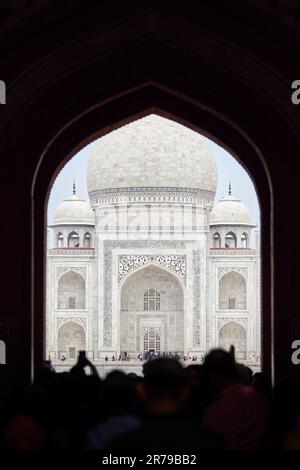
{"points": [[174, 100], [146, 46]]}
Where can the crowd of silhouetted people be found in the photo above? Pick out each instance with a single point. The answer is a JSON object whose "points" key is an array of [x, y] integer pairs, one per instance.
{"points": [[152, 354], [217, 405]]}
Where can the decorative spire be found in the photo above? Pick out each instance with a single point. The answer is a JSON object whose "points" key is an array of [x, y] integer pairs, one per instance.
{"points": [[74, 188], [229, 189]]}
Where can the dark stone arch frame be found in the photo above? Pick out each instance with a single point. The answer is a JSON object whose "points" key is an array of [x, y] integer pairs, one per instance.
{"points": [[153, 92], [198, 80]]}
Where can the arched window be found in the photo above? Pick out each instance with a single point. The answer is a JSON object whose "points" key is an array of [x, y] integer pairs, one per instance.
{"points": [[71, 292], [73, 240], [152, 341], [152, 300], [245, 240], [217, 240], [60, 240], [232, 292], [87, 240], [230, 240]]}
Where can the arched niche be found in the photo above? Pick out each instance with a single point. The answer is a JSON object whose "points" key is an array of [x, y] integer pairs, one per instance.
{"points": [[167, 321], [216, 240], [87, 240], [71, 292], [73, 240], [232, 292], [151, 278], [234, 334], [60, 240], [230, 240], [71, 339], [245, 240]]}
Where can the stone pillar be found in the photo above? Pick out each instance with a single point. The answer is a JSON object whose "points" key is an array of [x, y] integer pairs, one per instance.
{"points": [[222, 232], [238, 233]]}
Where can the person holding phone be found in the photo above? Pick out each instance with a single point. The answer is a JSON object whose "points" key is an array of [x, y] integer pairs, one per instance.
{"points": [[82, 362]]}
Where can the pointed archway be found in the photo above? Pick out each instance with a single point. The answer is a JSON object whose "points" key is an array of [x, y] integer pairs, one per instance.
{"points": [[151, 311]]}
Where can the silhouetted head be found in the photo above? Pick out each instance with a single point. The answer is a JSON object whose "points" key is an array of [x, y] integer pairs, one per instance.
{"points": [[164, 388], [44, 378], [220, 369], [194, 373], [245, 374], [119, 392], [262, 384]]}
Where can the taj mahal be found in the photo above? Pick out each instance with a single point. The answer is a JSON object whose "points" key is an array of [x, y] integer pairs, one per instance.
{"points": [[152, 262]]}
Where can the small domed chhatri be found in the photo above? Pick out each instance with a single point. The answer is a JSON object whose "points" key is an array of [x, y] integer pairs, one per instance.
{"points": [[152, 152], [230, 211], [73, 211]]}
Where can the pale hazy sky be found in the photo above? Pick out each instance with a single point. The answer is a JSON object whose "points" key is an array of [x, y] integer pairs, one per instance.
{"points": [[228, 169]]}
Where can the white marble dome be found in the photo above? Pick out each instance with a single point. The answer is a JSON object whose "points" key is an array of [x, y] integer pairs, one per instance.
{"points": [[152, 152], [230, 211], [73, 211]]}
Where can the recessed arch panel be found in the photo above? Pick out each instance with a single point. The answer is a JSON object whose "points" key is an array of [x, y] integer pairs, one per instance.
{"points": [[71, 291], [232, 291], [234, 334], [71, 339]]}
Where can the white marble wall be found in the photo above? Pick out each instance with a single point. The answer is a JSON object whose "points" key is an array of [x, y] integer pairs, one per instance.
{"points": [[64, 261], [247, 265]]}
